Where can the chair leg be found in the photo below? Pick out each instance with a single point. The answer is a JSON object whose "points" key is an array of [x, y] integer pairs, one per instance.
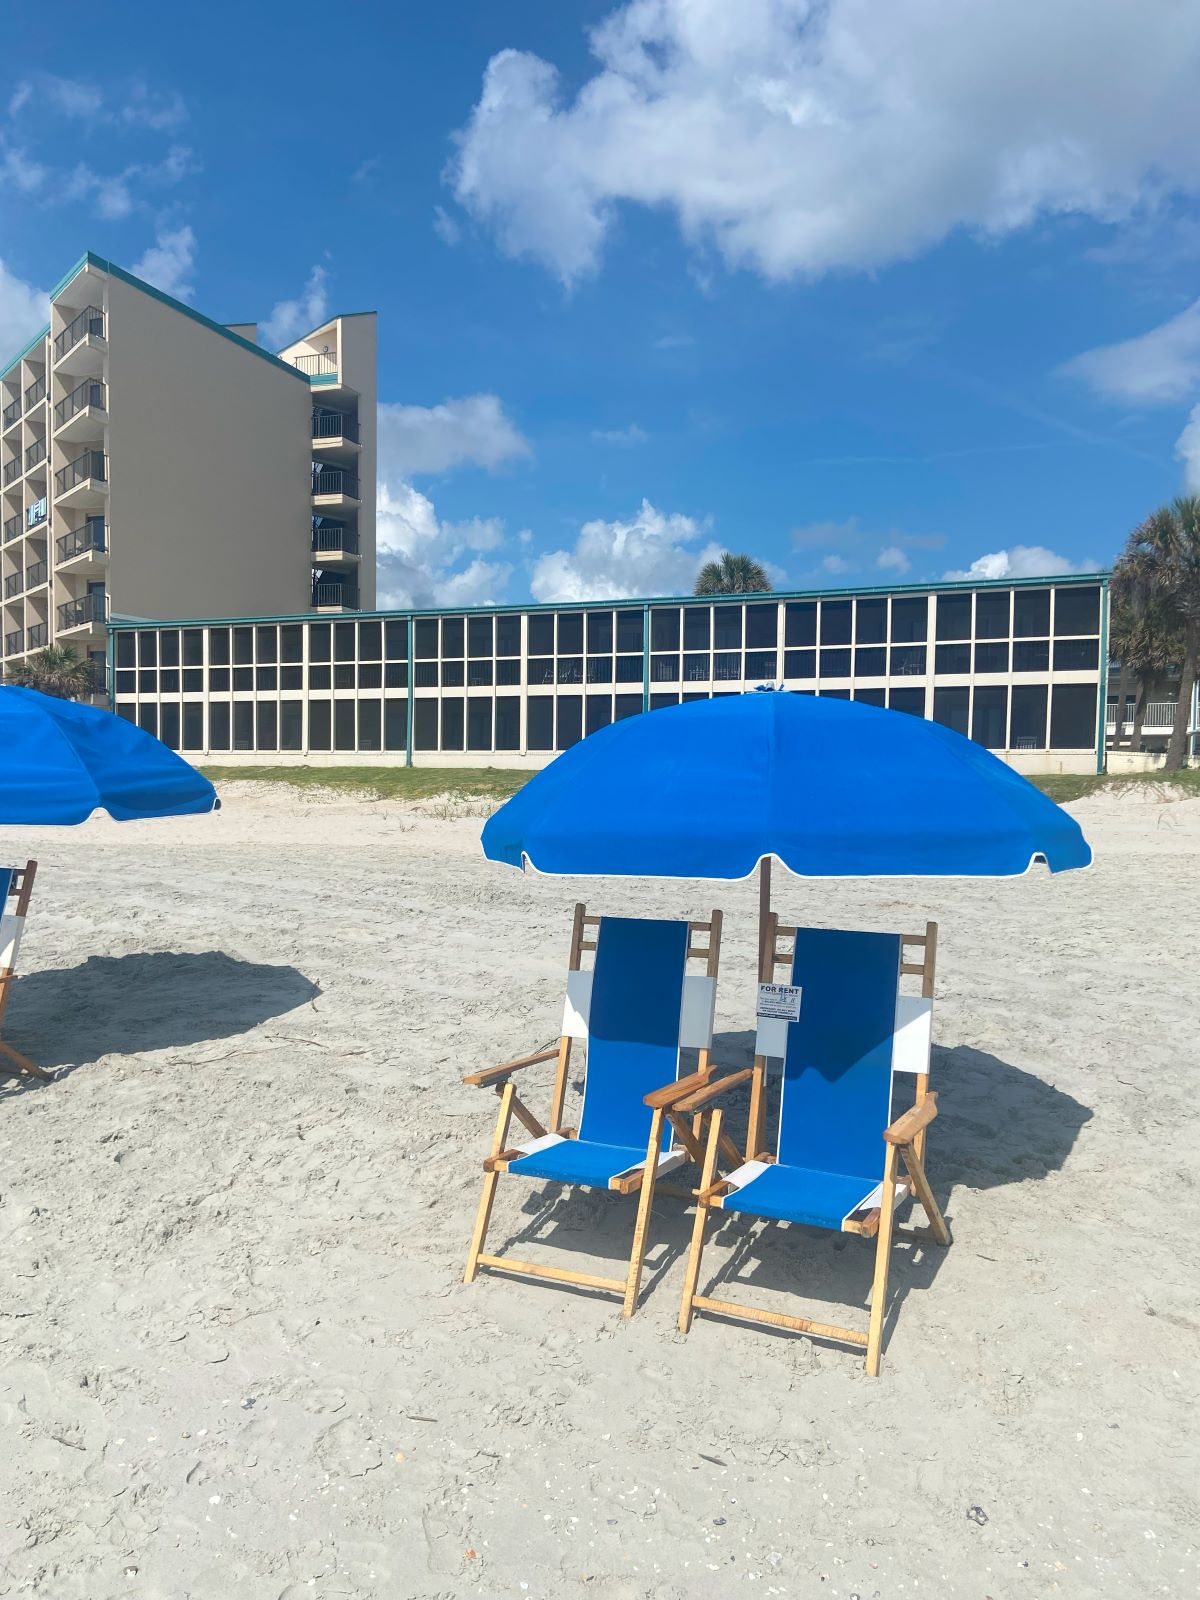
{"points": [[916, 1171], [484, 1215], [707, 1175], [23, 1064], [883, 1255], [642, 1225]]}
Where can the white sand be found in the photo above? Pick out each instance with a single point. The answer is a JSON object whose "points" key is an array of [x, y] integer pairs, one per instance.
{"points": [[238, 1360]]}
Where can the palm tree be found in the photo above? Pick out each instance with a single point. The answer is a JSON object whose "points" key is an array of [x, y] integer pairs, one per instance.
{"points": [[1160, 566], [1145, 648], [57, 670], [733, 575]]}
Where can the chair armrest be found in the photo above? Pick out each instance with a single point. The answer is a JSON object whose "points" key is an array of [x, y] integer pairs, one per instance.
{"points": [[905, 1128], [660, 1099], [711, 1090], [492, 1074]]}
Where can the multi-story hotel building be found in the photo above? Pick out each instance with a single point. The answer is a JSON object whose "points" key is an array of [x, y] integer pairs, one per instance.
{"points": [[155, 463], [1019, 666]]}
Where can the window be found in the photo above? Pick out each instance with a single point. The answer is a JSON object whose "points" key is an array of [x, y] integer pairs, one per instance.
{"points": [[147, 682], [147, 649], [1031, 613], [658, 701], [243, 725], [395, 675], [218, 681], [168, 683], [599, 669], [626, 705], [599, 632], [871, 697], [992, 614], [951, 707], [193, 726], [629, 669], [479, 673], [479, 638], [910, 700], [370, 641], [425, 638], [343, 675], [800, 623], [597, 712], [243, 678], [147, 718], [425, 674], [835, 694], [541, 635], [509, 670], [1075, 655], [871, 663], [193, 646], [727, 667], [265, 678], [126, 683], [268, 725], [569, 717], [948, 658], [479, 724], [835, 663], [508, 636], [835, 623], [760, 664], [539, 716], [910, 621], [243, 647], [870, 622], [1076, 611], [218, 649], [425, 724], [908, 660], [319, 636], [991, 658], [168, 648], [800, 664], [762, 626], [1031, 655], [452, 723], [168, 728], [319, 677], [291, 725], [193, 680], [664, 669], [266, 643], [452, 674], [697, 668], [320, 724], [218, 725], [727, 627], [395, 640], [508, 722], [291, 642], [664, 628], [697, 627], [989, 716], [540, 670], [452, 637], [395, 724], [630, 631], [1073, 715], [1029, 716], [570, 633], [369, 716], [570, 669], [370, 676]]}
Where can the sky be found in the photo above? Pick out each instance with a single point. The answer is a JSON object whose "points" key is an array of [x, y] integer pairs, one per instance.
{"points": [[873, 294]]}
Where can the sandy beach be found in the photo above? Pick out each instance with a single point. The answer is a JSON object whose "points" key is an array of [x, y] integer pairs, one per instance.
{"points": [[238, 1360]]}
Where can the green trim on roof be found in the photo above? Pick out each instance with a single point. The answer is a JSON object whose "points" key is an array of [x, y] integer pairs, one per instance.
{"points": [[1059, 580], [17, 359]]}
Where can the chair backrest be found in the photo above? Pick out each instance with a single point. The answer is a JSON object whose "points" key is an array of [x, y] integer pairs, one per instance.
{"points": [[837, 1076], [16, 886]]}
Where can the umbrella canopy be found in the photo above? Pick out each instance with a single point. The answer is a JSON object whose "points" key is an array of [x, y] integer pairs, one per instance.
{"points": [[832, 788], [60, 761]]}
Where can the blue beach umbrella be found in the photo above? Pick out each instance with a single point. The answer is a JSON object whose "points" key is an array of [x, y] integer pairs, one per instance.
{"points": [[60, 761]]}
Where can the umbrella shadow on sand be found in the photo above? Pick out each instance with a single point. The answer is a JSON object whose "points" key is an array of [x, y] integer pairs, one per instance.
{"points": [[997, 1124], [65, 1017]]}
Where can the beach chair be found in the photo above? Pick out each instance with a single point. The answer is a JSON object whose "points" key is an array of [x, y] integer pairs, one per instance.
{"points": [[16, 887], [837, 1158], [636, 1008]]}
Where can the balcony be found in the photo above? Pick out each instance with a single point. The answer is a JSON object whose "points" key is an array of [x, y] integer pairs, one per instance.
{"points": [[86, 546], [12, 528], [1158, 718], [335, 434], [75, 415], [81, 345], [35, 394], [12, 471], [89, 612], [331, 541], [37, 637], [35, 454], [11, 414], [322, 366], [335, 596], [83, 482], [14, 642], [14, 584], [36, 575], [333, 488]]}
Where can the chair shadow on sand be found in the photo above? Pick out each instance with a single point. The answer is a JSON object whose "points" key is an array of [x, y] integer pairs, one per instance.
{"points": [[66, 1017], [997, 1124]]}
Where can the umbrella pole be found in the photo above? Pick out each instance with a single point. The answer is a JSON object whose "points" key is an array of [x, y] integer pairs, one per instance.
{"points": [[765, 972]]}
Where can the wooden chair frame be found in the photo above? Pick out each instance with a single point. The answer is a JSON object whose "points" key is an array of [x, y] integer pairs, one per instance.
{"points": [[22, 886], [904, 1141], [704, 944]]}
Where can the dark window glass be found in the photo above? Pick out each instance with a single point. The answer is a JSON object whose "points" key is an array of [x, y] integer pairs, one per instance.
{"points": [[369, 717], [243, 649], [395, 724], [395, 639], [126, 682], [569, 716], [479, 674], [540, 670], [243, 678], [658, 701], [664, 669], [835, 694], [452, 636], [954, 617], [266, 643], [870, 663], [452, 674], [147, 649], [599, 632], [1070, 655], [1031, 655], [727, 666], [370, 641], [508, 671], [1029, 716], [800, 664], [319, 678], [835, 663], [629, 669], [951, 707], [193, 680], [218, 681], [291, 642], [425, 724], [989, 716], [343, 724], [870, 622], [541, 634], [760, 664], [266, 678], [168, 683], [425, 674], [268, 725], [168, 649], [369, 676], [343, 641], [949, 658], [871, 697], [452, 723], [479, 639], [688, 698], [598, 711], [218, 648], [320, 724], [727, 627], [243, 725], [907, 660], [991, 658], [626, 705], [800, 623], [762, 625], [508, 722], [218, 725], [539, 720], [508, 635], [1076, 611], [910, 700], [479, 724], [835, 622], [1073, 716], [664, 628], [147, 682], [1031, 613], [910, 620], [193, 647], [697, 627], [291, 677], [319, 636], [697, 668], [570, 669], [291, 725], [193, 726], [992, 614], [570, 633], [599, 669], [425, 641], [630, 630], [395, 675], [168, 729], [147, 718]]}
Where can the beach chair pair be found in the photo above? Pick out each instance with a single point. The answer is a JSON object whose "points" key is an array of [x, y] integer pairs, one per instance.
{"points": [[16, 888], [840, 1160]]}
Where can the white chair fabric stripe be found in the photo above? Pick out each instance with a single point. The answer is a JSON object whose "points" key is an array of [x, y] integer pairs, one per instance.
{"points": [[11, 929], [913, 1037], [697, 1012], [578, 1005]]}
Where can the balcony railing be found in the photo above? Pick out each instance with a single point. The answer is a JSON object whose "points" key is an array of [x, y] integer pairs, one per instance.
{"points": [[14, 642], [332, 425], [315, 366], [88, 393], [89, 537], [12, 528], [1158, 717], [12, 471], [333, 480], [36, 392], [335, 594], [89, 322], [12, 413], [92, 608], [37, 636], [35, 453], [14, 584], [332, 536], [89, 465], [36, 575]]}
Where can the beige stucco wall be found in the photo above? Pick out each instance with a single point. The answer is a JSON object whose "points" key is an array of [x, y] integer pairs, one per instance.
{"points": [[209, 456], [357, 352]]}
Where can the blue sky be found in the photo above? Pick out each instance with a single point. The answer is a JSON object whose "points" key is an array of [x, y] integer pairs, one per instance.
{"points": [[872, 296]]}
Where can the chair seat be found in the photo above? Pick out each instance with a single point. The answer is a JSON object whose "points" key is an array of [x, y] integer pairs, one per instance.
{"points": [[797, 1194], [578, 1161]]}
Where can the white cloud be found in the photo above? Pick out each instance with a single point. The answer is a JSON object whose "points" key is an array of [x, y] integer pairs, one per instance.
{"points": [[653, 553], [19, 169], [834, 564], [291, 319], [800, 138], [420, 556], [23, 310], [893, 559], [1161, 365], [1021, 561], [67, 97], [147, 108], [1187, 448], [444, 225], [473, 430], [621, 436], [169, 261]]}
